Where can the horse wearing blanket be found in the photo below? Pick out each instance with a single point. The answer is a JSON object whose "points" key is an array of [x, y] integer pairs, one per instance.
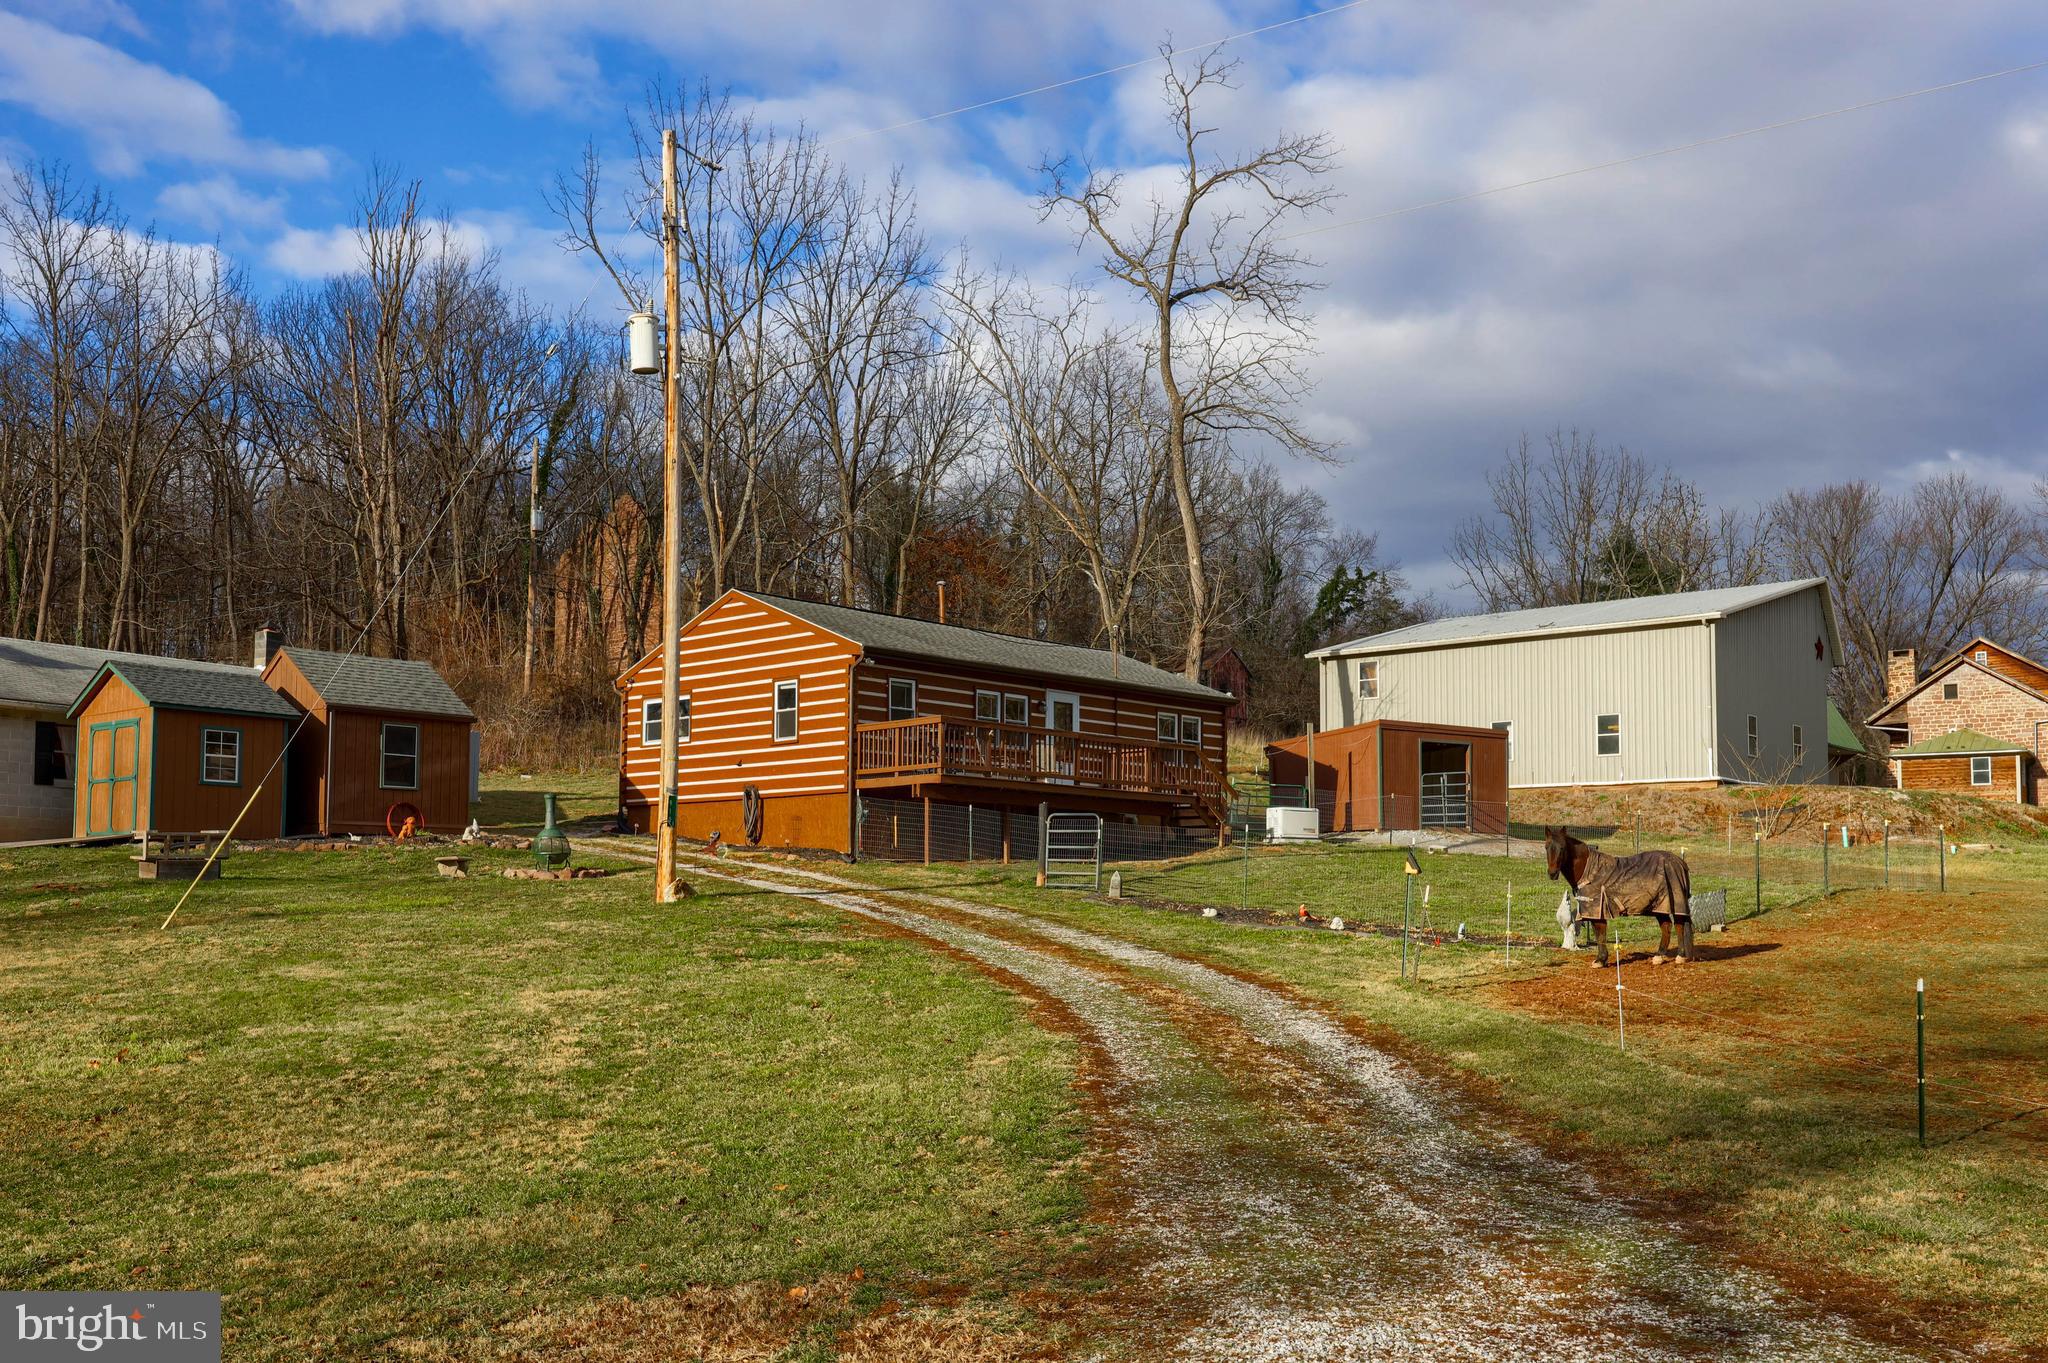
{"points": [[1653, 884]]}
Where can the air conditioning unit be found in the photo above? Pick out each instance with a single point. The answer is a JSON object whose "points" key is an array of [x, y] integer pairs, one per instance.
{"points": [[1290, 824]]}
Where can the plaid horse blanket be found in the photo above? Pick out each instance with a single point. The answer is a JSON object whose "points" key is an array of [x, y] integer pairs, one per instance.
{"points": [[1648, 883]]}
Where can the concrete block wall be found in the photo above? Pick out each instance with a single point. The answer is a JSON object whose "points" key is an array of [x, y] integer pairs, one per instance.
{"points": [[28, 810]]}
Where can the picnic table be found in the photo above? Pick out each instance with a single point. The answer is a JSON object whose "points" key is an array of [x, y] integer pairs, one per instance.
{"points": [[179, 856]]}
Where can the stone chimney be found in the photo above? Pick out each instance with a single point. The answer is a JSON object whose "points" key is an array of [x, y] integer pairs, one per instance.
{"points": [[1901, 670], [268, 642]]}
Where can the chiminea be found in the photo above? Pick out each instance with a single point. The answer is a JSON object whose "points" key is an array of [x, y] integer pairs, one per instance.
{"points": [[551, 844]]}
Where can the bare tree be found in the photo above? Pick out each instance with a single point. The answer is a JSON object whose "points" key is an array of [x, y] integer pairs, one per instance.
{"points": [[1224, 293]]}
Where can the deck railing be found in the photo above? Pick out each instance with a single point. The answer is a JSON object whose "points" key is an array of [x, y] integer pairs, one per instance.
{"points": [[931, 748]]}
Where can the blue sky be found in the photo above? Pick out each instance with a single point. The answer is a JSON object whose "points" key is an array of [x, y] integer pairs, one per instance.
{"points": [[1859, 297]]}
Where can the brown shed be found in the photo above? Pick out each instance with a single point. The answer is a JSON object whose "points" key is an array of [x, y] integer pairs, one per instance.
{"points": [[1396, 774], [176, 747], [383, 737]]}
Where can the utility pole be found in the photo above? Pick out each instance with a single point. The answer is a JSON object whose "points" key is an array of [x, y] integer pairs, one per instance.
{"points": [[532, 564], [671, 541]]}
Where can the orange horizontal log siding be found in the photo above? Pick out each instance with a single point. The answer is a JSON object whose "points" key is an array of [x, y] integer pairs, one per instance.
{"points": [[732, 655]]}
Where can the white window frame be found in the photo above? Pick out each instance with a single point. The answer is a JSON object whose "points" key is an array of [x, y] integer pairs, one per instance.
{"points": [[384, 755], [1985, 768], [1191, 725], [1798, 743], [1023, 703], [993, 713], [910, 710], [1507, 726], [651, 706], [1167, 727], [683, 717], [1369, 679], [235, 755], [1983, 657], [1599, 737], [1753, 745], [796, 723]]}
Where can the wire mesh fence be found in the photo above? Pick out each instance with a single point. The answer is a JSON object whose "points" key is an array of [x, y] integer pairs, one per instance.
{"points": [[1479, 874]]}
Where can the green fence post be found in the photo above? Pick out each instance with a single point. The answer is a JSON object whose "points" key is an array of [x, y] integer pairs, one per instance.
{"points": [[1942, 849], [1920, 1049], [1887, 854], [1825, 829], [1759, 873]]}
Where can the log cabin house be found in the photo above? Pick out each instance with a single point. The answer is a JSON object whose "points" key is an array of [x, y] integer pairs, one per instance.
{"points": [[177, 747], [822, 709], [1972, 723]]}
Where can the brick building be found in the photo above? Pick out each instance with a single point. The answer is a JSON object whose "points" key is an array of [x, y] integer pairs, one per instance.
{"points": [[1971, 723]]}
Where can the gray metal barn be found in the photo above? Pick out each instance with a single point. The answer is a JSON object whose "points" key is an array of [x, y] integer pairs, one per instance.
{"points": [[1694, 687]]}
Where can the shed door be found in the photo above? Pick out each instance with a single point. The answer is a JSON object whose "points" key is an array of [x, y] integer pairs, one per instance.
{"points": [[110, 762]]}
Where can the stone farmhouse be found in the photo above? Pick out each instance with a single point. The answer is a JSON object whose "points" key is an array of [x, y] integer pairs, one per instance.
{"points": [[1972, 723]]}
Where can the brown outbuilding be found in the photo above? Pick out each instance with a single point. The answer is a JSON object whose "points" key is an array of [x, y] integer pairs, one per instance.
{"points": [[1396, 774], [178, 747], [385, 739]]}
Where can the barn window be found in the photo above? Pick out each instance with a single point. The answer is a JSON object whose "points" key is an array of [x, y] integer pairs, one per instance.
{"points": [[1191, 729], [1948, 690], [220, 757], [1016, 708], [1507, 726], [1607, 735], [902, 698], [400, 746], [1798, 743], [1169, 729], [650, 721], [1982, 656], [1752, 735], [988, 705], [1980, 771], [1369, 679], [53, 760], [785, 710]]}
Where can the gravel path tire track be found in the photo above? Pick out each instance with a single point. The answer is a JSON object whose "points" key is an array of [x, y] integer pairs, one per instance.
{"points": [[1282, 1189]]}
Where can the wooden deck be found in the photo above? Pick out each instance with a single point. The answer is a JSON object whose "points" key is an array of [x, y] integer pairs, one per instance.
{"points": [[932, 749]]}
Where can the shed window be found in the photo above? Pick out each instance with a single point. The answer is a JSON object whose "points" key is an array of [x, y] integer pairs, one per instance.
{"points": [[53, 753], [1607, 735], [1507, 726], [1191, 729], [400, 746], [1169, 729], [650, 721], [902, 698], [988, 705], [1016, 708], [785, 710], [220, 757], [1369, 679], [1980, 771], [1948, 690], [1752, 735], [1798, 743]]}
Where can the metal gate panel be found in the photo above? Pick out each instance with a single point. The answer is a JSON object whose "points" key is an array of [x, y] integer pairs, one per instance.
{"points": [[1444, 800], [1072, 855]]}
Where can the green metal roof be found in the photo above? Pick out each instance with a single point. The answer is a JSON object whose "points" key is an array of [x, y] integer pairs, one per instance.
{"points": [[1956, 743], [392, 685], [1840, 735], [898, 634], [218, 688]]}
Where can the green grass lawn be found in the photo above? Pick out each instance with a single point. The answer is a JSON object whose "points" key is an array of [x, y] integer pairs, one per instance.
{"points": [[383, 1110], [1769, 1091], [515, 801]]}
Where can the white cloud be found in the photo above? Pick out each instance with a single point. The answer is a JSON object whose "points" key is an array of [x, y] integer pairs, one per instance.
{"points": [[219, 204], [129, 112]]}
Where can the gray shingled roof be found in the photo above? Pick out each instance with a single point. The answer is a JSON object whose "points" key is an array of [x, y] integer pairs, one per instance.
{"points": [[171, 684], [391, 685], [1593, 615], [45, 676], [881, 633]]}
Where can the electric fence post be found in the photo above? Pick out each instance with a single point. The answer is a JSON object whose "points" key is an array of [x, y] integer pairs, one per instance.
{"points": [[1825, 839], [1759, 872], [1409, 871], [1920, 1050], [1887, 854], [1942, 851]]}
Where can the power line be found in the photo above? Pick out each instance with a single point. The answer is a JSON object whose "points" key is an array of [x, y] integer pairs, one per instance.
{"points": [[1665, 151], [1092, 75]]}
